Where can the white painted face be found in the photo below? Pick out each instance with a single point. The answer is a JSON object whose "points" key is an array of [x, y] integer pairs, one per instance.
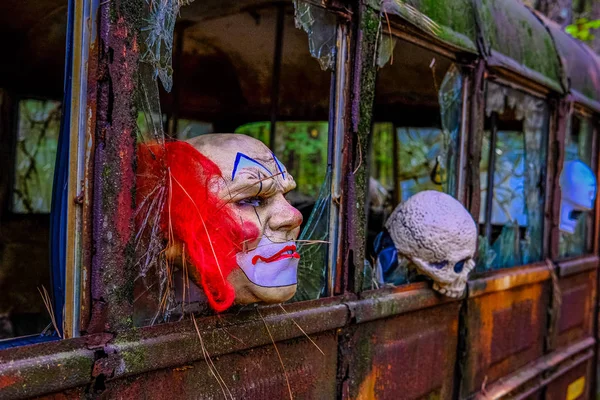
{"points": [[438, 235], [578, 188], [254, 183], [271, 264]]}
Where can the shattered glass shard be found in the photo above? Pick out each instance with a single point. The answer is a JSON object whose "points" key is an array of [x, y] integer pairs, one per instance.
{"points": [[313, 246], [321, 27], [159, 29], [385, 50]]}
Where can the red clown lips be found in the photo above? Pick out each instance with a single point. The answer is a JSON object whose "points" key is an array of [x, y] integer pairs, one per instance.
{"points": [[286, 252]]}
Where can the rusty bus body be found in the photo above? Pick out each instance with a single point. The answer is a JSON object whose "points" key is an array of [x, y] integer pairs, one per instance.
{"points": [[527, 332]]}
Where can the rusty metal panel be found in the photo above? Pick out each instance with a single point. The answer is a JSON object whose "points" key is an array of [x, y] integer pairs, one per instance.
{"points": [[511, 331], [577, 307], [504, 331], [575, 384], [77, 393], [411, 356], [34, 370], [251, 374], [537, 395], [536, 375]]}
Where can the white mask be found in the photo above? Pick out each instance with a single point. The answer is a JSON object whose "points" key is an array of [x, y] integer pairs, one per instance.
{"points": [[578, 187]]}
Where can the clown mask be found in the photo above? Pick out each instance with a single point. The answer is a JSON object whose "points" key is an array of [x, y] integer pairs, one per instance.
{"points": [[226, 218], [253, 184]]}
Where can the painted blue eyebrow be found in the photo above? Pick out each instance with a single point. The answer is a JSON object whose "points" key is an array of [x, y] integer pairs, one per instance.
{"points": [[280, 166], [243, 161]]}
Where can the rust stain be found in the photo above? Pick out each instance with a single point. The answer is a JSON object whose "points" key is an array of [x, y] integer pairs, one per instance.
{"points": [[413, 354], [509, 279], [7, 381], [492, 320], [512, 331], [576, 319], [185, 367], [366, 390]]}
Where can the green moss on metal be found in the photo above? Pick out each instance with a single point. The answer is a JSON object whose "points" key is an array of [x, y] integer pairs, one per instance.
{"points": [[515, 32], [454, 14], [454, 19], [369, 27], [456, 39], [134, 359]]}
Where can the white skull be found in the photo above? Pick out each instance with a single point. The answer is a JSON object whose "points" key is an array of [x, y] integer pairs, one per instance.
{"points": [[578, 185], [438, 235]]}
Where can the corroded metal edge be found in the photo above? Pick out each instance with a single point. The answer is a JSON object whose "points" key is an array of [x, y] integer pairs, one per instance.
{"points": [[378, 304], [76, 362], [577, 265], [49, 367], [506, 279], [540, 372]]}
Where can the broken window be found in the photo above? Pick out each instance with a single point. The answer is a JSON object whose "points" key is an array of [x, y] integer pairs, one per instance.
{"points": [[32, 83], [415, 144], [512, 174], [252, 73], [25, 231], [578, 146]]}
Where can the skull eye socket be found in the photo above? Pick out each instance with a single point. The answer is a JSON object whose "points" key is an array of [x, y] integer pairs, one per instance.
{"points": [[575, 214], [458, 267], [439, 265]]}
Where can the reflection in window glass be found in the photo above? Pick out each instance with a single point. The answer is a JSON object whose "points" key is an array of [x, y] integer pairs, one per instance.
{"points": [[512, 163], [420, 155], [37, 140], [420, 94], [578, 146]]}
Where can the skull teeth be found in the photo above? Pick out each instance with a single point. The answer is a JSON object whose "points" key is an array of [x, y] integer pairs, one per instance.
{"points": [[447, 291]]}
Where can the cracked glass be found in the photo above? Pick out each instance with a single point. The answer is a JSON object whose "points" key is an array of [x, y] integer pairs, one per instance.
{"points": [[234, 84], [513, 163]]}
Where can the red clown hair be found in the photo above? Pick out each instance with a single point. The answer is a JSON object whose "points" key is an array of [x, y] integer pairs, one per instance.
{"points": [[193, 215]]}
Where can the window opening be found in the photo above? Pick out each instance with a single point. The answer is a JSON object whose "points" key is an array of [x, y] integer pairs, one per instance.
{"points": [[228, 65], [578, 146], [34, 170], [415, 136], [26, 305], [512, 173]]}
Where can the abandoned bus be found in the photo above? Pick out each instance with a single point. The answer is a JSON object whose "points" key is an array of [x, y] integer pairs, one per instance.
{"points": [[439, 238]]}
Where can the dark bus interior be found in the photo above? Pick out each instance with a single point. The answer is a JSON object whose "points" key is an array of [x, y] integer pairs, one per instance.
{"points": [[32, 42]]}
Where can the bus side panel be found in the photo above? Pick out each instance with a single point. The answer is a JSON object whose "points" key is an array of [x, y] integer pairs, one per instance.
{"points": [[252, 374], [505, 331], [70, 394], [412, 354], [576, 320], [575, 384]]}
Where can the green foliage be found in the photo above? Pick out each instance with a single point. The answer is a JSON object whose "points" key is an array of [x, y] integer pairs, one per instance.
{"points": [[37, 141], [301, 147], [582, 28]]}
